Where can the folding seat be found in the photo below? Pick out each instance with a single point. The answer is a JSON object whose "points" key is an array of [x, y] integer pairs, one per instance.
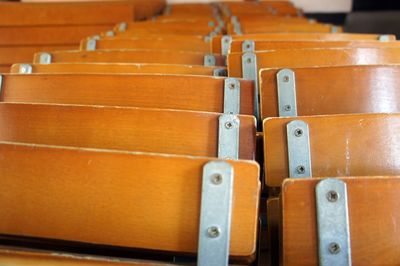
{"points": [[278, 8], [121, 68], [130, 56], [254, 28], [196, 93]]}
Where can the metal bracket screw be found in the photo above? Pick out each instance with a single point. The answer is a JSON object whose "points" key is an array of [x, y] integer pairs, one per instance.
{"points": [[334, 248], [286, 79], [216, 179], [248, 60], [298, 132], [300, 169], [287, 108], [213, 232], [332, 196], [228, 125]]}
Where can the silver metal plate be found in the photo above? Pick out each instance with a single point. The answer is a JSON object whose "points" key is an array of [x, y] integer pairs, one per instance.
{"points": [[209, 60], [225, 44], [248, 46], [384, 38], [215, 214], [333, 223], [228, 137], [286, 84], [25, 69], [91, 45], [44, 58], [110, 33], [122, 26], [1, 83], [231, 96], [220, 72], [250, 71], [334, 29], [298, 141], [97, 37]]}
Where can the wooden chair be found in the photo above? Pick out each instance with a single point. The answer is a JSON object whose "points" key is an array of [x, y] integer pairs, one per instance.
{"points": [[116, 128], [122, 68], [130, 56], [195, 93], [120, 199], [329, 90], [339, 145], [372, 210]]}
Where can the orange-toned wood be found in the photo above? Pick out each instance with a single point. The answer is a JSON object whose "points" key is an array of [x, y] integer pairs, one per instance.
{"points": [[19, 54], [373, 218], [133, 129], [264, 7], [278, 27], [122, 68], [197, 93], [336, 90], [216, 41], [130, 56], [66, 13], [117, 198], [48, 35], [340, 145], [5, 68], [287, 58], [194, 45], [181, 29], [262, 45], [40, 258], [273, 221]]}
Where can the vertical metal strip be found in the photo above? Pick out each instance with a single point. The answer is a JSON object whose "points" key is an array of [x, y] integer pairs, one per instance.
{"points": [[248, 46], [286, 84], [228, 137], [231, 96], [91, 44], [225, 44], [209, 60], [44, 58], [250, 71], [25, 69]]}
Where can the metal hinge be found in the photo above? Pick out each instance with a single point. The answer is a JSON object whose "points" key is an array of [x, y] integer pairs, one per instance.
{"points": [[209, 60], [231, 96], [44, 58], [248, 46], [384, 38], [250, 71], [286, 84], [228, 136], [25, 69], [91, 44], [225, 44], [122, 26]]}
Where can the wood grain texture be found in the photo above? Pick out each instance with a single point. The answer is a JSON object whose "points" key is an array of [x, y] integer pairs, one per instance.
{"points": [[273, 223], [373, 216], [135, 200], [340, 145], [130, 56], [288, 58], [133, 129], [336, 90], [20, 54], [154, 27], [5, 68], [196, 93], [298, 28], [121, 68], [216, 41]]}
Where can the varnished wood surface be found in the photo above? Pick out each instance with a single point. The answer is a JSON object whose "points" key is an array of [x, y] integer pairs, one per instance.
{"points": [[196, 93], [133, 129], [130, 56], [297, 28], [336, 90], [154, 27], [216, 41], [373, 218], [5, 68], [117, 198], [288, 58], [121, 68], [273, 222], [20, 54], [340, 145]]}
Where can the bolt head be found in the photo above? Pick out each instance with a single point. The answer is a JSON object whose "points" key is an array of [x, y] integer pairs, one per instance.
{"points": [[332, 196], [298, 132], [229, 125], [213, 232], [300, 169], [334, 248]]}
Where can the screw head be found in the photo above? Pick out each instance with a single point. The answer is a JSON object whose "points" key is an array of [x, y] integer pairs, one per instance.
{"points": [[287, 108], [229, 125], [286, 78], [332, 196], [334, 248], [300, 169], [23, 69], [249, 60], [213, 232], [216, 179], [231, 86], [298, 132]]}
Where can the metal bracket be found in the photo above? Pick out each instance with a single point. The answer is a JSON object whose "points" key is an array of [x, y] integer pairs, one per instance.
{"points": [[209, 60], [225, 44], [1, 83], [25, 69], [44, 58], [122, 26], [110, 33], [96, 37], [228, 137], [220, 72], [333, 223], [334, 29], [236, 25], [286, 84], [248, 46], [91, 44], [250, 71], [215, 214], [231, 96], [298, 142], [384, 38]]}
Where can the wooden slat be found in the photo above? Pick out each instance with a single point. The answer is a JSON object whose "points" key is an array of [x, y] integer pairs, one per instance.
{"points": [[340, 145], [130, 56], [196, 93], [273, 221], [336, 90], [288, 58], [373, 218], [133, 129], [19, 54], [5, 68], [278, 28], [117, 198]]}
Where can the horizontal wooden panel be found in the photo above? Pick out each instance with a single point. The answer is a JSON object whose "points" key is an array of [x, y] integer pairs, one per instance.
{"points": [[336, 90], [117, 198], [122, 68], [373, 217], [134, 129], [196, 93], [5, 68], [310, 27], [340, 145], [130, 56], [287, 58]]}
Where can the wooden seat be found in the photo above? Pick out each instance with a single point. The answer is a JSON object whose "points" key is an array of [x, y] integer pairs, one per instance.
{"points": [[253, 28], [122, 68], [121, 199], [129, 56], [372, 217], [340, 145], [333, 90], [133, 129], [196, 93], [273, 7]]}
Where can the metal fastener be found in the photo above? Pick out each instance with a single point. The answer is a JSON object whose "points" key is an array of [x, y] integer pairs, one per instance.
{"points": [[213, 232], [216, 179], [285, 78], [300, 169], [298, 132], [334, 248], [228, 125], [287, 108], [248, 60], [332, 196]]}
